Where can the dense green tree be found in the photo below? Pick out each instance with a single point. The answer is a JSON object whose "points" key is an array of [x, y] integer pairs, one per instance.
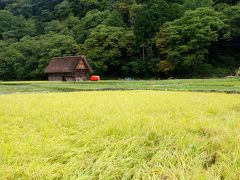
{"points": [[140, 38], [92, 19], [21, 7], [226, 1], [194, 4], [185, 41], [232, 18], [107, 47], [226, 53], [14, 26], [81, 7], [27, 58], [148, 21], [43, 8], [55, 26], [4, 3], [62, 10]]}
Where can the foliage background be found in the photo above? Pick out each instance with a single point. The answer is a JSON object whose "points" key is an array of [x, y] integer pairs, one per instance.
{"points": [[122, 38]]}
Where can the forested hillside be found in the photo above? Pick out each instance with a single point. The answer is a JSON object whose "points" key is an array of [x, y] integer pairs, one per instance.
{"points": [[121, 38]]}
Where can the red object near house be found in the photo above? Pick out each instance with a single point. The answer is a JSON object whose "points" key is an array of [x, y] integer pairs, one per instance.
{"points": [[95, 78]]}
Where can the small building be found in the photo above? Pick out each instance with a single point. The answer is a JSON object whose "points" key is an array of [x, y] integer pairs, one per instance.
{"points": [[74, 68]]}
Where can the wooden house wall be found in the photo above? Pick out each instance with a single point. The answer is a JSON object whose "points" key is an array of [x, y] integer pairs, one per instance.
{"points": [[54, 77], [61, 77], [78, 75]]}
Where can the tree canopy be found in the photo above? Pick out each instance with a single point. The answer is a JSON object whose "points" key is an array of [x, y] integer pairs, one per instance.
{"points": [[121, 38]]}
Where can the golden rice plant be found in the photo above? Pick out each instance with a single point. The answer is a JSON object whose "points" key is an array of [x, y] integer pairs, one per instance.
{"points": [[120, 135]]}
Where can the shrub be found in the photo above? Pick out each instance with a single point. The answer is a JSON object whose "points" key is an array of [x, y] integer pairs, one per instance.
{"points": [[210, 71]]}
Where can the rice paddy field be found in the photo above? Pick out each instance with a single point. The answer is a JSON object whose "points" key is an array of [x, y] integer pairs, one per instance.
{"points": [[228, 85], [120, 135]]}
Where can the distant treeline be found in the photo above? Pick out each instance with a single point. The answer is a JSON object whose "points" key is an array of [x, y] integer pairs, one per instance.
{"points": [[121, 38]]}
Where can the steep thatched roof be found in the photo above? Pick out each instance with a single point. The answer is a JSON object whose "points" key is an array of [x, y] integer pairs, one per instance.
{"points": [[66, 64]]}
